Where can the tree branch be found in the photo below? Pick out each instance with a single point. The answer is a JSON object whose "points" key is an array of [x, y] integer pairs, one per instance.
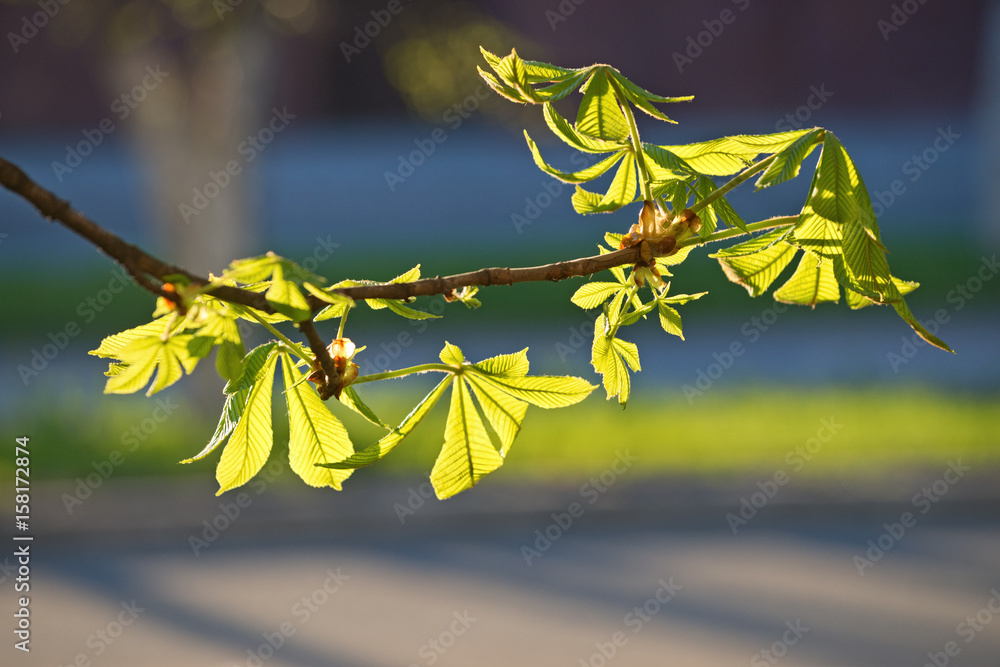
{"points": [[141, 265], [330, 373]]}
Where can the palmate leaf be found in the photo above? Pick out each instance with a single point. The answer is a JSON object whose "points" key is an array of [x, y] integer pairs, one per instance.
{"points": [[169, 358], [221, 330], [512, 365], [720, 209], [561, 88], [788, 162], [770, 143], [908, 317], [252, 438], [832, 196], [756, 244], [544, 391], [349, 397], [622, 189], [582, 176], [111, 345], [585, 202], [504, 412], [582, 142], [251, 368], [813, 282], [670, 319], [467, 454], [231, 413], [316, 436], [371, 454], [286, 297], [757, 271], [642, 98], [611, 357], [718, 157], [599, 114], [594, 294]]}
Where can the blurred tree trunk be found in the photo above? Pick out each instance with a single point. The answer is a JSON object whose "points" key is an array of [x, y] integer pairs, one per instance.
{"points": [[213, 96]]}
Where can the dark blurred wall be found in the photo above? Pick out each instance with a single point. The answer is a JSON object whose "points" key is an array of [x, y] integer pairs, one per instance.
{"points": [[765, 58]]}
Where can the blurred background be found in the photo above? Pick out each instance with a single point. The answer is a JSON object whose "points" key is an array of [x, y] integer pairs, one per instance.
{"points": [[826, 497]]}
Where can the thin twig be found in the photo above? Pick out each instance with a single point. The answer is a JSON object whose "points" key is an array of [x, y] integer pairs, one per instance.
{"points": [[141, 265], [325, 389]]}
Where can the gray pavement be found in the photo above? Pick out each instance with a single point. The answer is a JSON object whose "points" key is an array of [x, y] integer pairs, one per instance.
{"points": [[648, 574]]}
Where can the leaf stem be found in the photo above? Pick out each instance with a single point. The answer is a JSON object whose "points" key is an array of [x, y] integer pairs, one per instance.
{"points": [[343, 320], [770, 223], [633, 130], [737, 180], [422, 368], [295, 347]]}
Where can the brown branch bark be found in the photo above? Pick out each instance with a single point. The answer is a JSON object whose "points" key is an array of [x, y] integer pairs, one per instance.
{"points": [[142, 266], [331, 375]]}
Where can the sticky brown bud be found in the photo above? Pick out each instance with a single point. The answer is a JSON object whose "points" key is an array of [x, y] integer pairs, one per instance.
{"points": [[665, 246]]}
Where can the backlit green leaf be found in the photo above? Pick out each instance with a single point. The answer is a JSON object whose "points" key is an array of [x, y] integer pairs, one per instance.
{"points": [[813, 282], [315, 435], [504, 412], [545, 391], [111, 345], [505, 365], [718, 157], [754, 245], [757, 271], [252, 438], [622, 189], [232, 410], [591, 295], [788, 162], [371, 454], [770, 143], [582, 142], [581, 176], [599, 114], [833, 194], [467, 454], [350, 398], [452, 355]]}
